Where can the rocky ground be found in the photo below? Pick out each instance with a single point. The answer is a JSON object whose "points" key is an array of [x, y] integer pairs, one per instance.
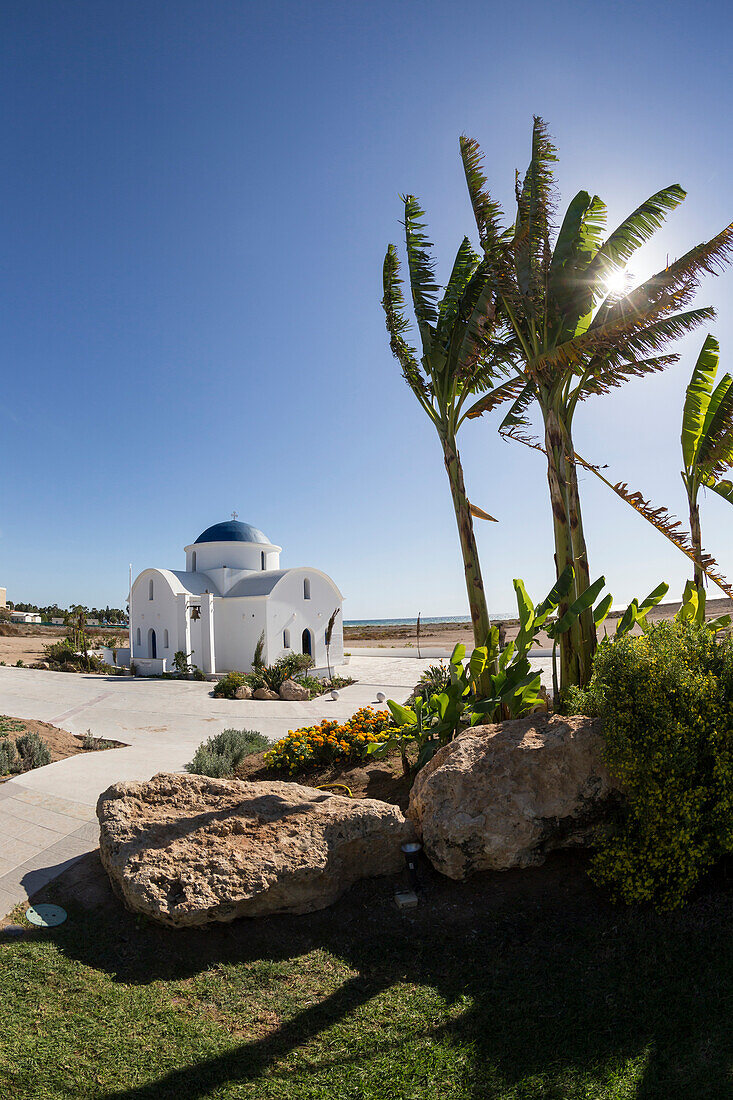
{"points": [[449, 634]]}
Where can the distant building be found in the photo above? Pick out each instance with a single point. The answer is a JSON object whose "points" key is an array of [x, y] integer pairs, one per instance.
{"points": [[58, 620], [231, 594], [3, 595], [25, 617]]}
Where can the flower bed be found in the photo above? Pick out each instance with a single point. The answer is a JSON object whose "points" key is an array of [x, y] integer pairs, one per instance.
{"points": [[314, 746]]}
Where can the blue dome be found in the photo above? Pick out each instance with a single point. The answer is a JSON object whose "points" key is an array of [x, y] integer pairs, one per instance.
{"points": [[233, 531]]}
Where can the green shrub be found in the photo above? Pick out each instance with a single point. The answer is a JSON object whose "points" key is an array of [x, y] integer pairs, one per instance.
{"points": [[582, 700], [226, 688], [33, 751], [220, 756], [9, 759], [318, 687], [433, 681], [666, 699], [289, 667]]}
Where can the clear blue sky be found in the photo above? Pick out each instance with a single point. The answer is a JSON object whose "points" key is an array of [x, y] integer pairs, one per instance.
{"points": [[195, 202]]}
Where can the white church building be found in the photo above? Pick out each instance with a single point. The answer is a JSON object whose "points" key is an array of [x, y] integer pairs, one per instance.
{"points": [[232, 592]]}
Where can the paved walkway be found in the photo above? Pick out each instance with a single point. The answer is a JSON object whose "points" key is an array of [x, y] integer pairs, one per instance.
{"points": [[47, 816]]}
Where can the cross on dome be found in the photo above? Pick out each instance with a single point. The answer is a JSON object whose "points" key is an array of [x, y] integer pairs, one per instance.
{"points": [[235, 515]]}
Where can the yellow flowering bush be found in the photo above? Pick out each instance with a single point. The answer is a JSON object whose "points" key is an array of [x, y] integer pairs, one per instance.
{"points": [[666, 699], [315, 746]]}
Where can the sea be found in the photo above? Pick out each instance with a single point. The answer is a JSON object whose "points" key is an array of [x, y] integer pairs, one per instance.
{"points": [[425, 620]]}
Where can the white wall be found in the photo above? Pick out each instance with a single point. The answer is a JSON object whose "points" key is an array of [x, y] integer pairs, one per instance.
{"points": [[288, 609], [123, 656], [212, 556], [238, 624], [158, 614]]}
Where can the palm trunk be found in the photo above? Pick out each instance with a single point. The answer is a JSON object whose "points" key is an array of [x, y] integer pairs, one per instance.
{"points": [[696, 540], [557, 478], [471, 565], [588, 635]]}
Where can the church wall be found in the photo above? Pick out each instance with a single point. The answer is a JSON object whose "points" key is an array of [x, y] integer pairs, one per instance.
{"points": [[158, 614], [235, 555], [288, 609], [238, 624]]}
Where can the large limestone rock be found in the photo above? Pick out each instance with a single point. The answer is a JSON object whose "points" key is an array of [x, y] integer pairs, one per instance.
{"points": [[187, 850], [504, 795], [244, 691], [265, 693], [292, 692]]}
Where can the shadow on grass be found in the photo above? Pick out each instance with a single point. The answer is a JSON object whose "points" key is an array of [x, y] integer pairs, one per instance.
{"points": [[556, 992]]}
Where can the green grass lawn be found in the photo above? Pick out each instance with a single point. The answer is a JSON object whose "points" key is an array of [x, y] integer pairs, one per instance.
{"points": [[520, 985]]}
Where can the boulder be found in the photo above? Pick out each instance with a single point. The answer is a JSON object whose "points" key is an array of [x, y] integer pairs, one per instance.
{"points": [[292, 692], [189, 850], [504, 795], [264, 693], [244, 691]]}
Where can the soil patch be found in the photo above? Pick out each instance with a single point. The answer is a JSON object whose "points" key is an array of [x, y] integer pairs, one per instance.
{"points": [[382, 779], [60, 742]]}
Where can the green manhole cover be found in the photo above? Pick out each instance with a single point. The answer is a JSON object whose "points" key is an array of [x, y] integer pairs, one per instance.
{"points": [[46, 916]]}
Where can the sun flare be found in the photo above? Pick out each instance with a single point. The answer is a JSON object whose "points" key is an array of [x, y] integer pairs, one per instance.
{"points": [[616, 282]]}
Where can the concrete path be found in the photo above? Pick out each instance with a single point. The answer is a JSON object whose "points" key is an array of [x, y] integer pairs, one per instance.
{"points": [[47, 816]]}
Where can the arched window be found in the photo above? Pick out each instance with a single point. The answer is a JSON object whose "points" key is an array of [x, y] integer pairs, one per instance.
{"points": [[193, 562], [150, 589], [307, 642], [165, 640], [286, 639], [306, 590], [262, 558], [138, 636], [152, 643]]}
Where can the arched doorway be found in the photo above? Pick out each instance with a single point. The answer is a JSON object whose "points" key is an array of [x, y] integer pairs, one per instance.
{"points": [[152, 643], [307, 642]]}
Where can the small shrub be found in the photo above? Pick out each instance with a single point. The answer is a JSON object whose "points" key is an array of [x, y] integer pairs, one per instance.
{"points": [[583, 700], [92, 743], [9, 759], [433, 681], [226, 688], [666, 700], [19, 663], [318, 687], [10, 725], [289, 667], [206, 762], [220, 756], [199, 674], [180, 663], [33, 751], [314, 746]]}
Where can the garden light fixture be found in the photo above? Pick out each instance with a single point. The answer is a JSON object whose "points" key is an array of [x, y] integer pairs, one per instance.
{"points": [[410, 852]]}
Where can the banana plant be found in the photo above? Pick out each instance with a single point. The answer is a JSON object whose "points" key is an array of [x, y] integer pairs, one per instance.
{"points": [[707, 439], [636, 613], [578, 328], [431, 723], [692, 610], [461, 356]]}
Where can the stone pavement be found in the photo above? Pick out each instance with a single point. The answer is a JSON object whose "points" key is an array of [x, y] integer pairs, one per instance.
{"points": [[47, 816]]}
